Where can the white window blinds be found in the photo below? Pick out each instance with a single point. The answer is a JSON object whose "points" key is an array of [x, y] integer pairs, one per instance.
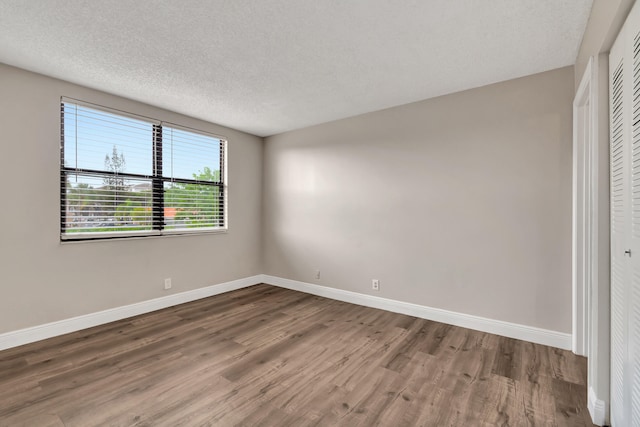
{"points": [[125, 175]]}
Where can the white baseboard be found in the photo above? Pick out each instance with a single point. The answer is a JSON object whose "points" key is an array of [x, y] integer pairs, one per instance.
{"points": [[48, 330], [511, 330], [498, 327], [597, 408]]}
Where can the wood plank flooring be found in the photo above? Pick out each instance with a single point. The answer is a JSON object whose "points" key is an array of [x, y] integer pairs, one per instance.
{"points": [[265, 356]]}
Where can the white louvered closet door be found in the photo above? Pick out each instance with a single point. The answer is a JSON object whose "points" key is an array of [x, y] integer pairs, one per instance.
{"points": [[624, 94]]}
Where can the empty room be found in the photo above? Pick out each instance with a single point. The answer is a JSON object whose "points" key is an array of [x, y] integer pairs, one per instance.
{"points": [[331, 213]]}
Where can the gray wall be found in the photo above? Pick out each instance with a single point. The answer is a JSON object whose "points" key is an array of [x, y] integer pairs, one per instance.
{"points": [[461, 202], [44, 281]]}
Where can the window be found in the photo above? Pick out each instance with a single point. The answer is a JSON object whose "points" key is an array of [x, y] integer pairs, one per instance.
{"points": [[123, 175]]}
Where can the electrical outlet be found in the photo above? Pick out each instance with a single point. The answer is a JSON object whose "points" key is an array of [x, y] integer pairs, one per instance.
{"points": [[317, 274], [167, 283], [375, 284]]}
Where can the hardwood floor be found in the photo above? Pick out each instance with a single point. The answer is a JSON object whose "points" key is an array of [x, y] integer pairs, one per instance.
{"points": [[265, 356]]}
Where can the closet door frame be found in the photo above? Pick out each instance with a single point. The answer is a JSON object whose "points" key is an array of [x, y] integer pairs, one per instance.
{"points": [[590, 263], [585, 207]]}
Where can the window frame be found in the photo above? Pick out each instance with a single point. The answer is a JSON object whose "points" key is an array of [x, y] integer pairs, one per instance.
{"points": [[157, 179]]}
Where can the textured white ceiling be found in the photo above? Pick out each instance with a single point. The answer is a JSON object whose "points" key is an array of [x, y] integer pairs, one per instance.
{"points": [[268, 66]]}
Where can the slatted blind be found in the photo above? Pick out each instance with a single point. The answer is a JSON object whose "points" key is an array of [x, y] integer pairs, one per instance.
{"points": [[634, 301], [617, 150], [126, 175], [195, 197], [618, 318], [624, 89], [634, 331]]}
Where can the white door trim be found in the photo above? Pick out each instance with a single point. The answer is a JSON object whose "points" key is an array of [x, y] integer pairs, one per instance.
{"points": [[585, 260], [585, 207]]}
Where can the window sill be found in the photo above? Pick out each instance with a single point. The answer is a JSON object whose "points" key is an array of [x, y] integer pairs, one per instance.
{"points": [[119, 237]]}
